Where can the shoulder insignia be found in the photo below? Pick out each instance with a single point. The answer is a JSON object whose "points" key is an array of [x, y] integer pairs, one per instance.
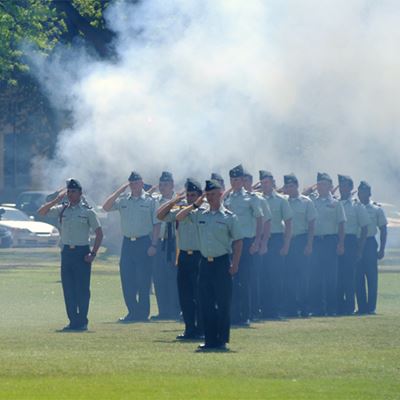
{"points": [[228, 212], [377, 204]]}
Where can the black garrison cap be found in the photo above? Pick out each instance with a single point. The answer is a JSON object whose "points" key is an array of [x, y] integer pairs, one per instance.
{"points": [[265, 174], [290, 178], [147, 187], [217, 177], [212, 184], [134, 176], [343, 179], [323, 176], [364, 186], [166, 176], [73, 184], [192, 185], [236, 172]]}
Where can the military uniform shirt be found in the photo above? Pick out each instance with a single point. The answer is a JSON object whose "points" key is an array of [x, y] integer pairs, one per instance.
{"points": [[217, 230], [377, 218], [267, 216], [280, 211], [188, 235], [303, 213], [138, 214], [76, 223], [356, 216], [247, 209], [163, 229], [329, 214]]}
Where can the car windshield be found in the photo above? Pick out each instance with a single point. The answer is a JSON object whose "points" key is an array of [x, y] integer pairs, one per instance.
{"points": [[14, 215]]}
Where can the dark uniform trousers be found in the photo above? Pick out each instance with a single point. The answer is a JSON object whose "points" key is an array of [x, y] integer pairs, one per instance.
{"points": [[255, 286], [164, 279], [346, 276], [215, 283], [323, 282], [135, 271], [188, 291], [297, 272], [75, 278], [367, 272], [241, 285], [271, 275]]}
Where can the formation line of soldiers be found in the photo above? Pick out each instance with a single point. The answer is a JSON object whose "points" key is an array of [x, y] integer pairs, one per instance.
{"points": [[228, 257]]}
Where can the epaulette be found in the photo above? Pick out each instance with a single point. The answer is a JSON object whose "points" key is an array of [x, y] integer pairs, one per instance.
{"points": [[228, 212], [376, 204]]}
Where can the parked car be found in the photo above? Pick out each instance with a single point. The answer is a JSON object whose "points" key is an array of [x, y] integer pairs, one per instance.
{"points": [[6, 239], [25, 230]]}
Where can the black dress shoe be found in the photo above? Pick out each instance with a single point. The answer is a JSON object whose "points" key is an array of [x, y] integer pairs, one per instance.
{"points": [[206, 347], [81, 328]]}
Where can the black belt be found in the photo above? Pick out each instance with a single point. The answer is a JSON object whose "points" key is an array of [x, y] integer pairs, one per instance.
{"points": [[326, 236], [75, 247], [135, 238], [215, 259]]}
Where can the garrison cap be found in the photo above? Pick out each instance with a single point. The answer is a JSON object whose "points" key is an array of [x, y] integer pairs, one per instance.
{"points": [[345, 179], [212, 184], [73, 184], [290, 178], [166, 176], [236, 172], [265, 174], [147, 187], [134, 176], [217, 177], [323, 176], [192, 185], [364, 186], [247, 174]]}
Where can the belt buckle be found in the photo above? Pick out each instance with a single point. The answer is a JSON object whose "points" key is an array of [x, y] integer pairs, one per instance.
{"points": [[72, 247], [133, 239], [210, 259], [190, 252]]}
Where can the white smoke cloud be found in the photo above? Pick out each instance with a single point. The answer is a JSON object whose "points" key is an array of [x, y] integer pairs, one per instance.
{"points": [[201, 85]]}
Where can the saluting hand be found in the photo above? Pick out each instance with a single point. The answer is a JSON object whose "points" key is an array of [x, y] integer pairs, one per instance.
{"points": [[200, 200]]}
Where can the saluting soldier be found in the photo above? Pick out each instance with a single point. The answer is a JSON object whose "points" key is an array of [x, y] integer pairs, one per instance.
{"points": [[188, 259], [164, 268], [77, 220], [140, 229], [278, 247], [255, 302], [249, 213], [219, 237], [301, 247], [355, 229], [328, 244], [367, 267]]}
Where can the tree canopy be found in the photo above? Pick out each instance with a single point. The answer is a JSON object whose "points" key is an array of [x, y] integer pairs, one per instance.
{"points": [[41, 24]]}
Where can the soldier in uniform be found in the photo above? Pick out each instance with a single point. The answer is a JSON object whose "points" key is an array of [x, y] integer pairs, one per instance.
{"points": [[219, 235], [76, 222], [355, 230], [301, 247], [278, 247], [140, 229], [255, 301], [188, 259], [249, 213], [328, 244], [367, 267], [164, 268]]}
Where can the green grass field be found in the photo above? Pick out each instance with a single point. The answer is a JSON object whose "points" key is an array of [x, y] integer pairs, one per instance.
{"points": [[326, 358]]}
